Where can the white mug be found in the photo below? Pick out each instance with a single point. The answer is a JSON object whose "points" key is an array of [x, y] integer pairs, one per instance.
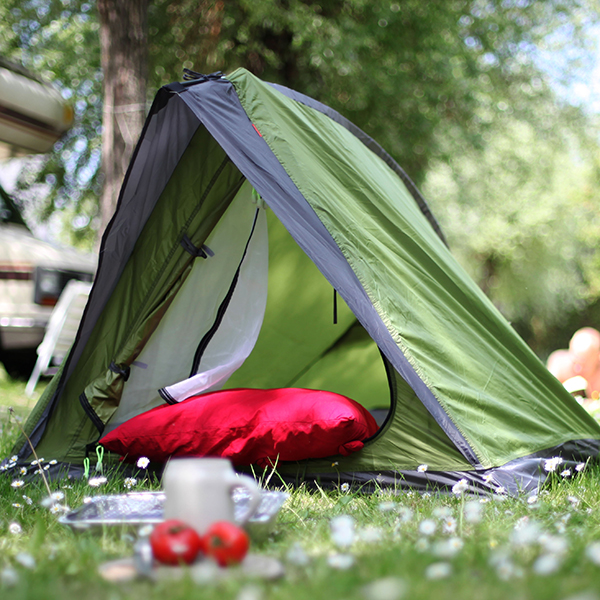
{"points": [[199, 491]]}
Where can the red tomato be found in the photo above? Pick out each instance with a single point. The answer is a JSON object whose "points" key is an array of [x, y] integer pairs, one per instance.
{"points": [[174, 542], [226, 543]]}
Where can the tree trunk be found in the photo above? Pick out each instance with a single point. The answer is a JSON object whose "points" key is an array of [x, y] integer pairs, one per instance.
{"points": [[124, 46]]}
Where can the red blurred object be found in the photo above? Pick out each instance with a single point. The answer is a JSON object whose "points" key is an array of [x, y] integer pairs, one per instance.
{"points": [[226, 543], [174, 542]]}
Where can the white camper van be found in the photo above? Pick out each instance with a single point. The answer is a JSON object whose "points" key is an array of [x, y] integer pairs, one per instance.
{"points": [[33, 272]]}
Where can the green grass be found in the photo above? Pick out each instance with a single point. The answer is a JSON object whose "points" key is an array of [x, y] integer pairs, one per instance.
{"points": [[500, 555], [12, 394]]}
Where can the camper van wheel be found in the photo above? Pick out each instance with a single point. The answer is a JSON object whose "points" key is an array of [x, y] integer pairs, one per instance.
{"points": [[18, 363]]}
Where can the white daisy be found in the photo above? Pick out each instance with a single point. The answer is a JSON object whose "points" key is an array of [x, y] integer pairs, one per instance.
{"points": [[130, 482], [449, 525], [52, 500], [17, 483], [345, 487], [15, 528], [23, 471], [460, 486], [405, 514], [580, 467], [554, 544], [442, 512], [566, 473], [422, 544], [551, 464], [421, 468], [427, 527], [525, 533], [560, 527], [506, 570], [96, 481], [143, 462]]}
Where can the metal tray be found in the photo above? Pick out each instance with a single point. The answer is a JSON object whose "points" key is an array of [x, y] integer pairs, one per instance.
{"points": [[146, 508]]}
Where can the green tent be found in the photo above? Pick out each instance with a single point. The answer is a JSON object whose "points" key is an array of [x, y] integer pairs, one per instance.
{"points": [[357, 294]]}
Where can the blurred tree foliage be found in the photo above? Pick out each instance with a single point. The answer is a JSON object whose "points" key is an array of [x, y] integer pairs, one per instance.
{"points": [[399, 70], [521, 215], [453, 90], [59, 41]]}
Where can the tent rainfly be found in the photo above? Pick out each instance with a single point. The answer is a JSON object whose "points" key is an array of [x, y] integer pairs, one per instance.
{"points": [[187, 298]]}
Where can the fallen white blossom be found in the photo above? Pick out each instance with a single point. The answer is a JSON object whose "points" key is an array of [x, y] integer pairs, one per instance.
{"points": [[341, 562], [297, 556], [342, 531], [439, 570], [387, 588], [546, 564], [9, 577], [26, 560], [370, 534], [447, 548], [473, 511], [593, 552]]}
